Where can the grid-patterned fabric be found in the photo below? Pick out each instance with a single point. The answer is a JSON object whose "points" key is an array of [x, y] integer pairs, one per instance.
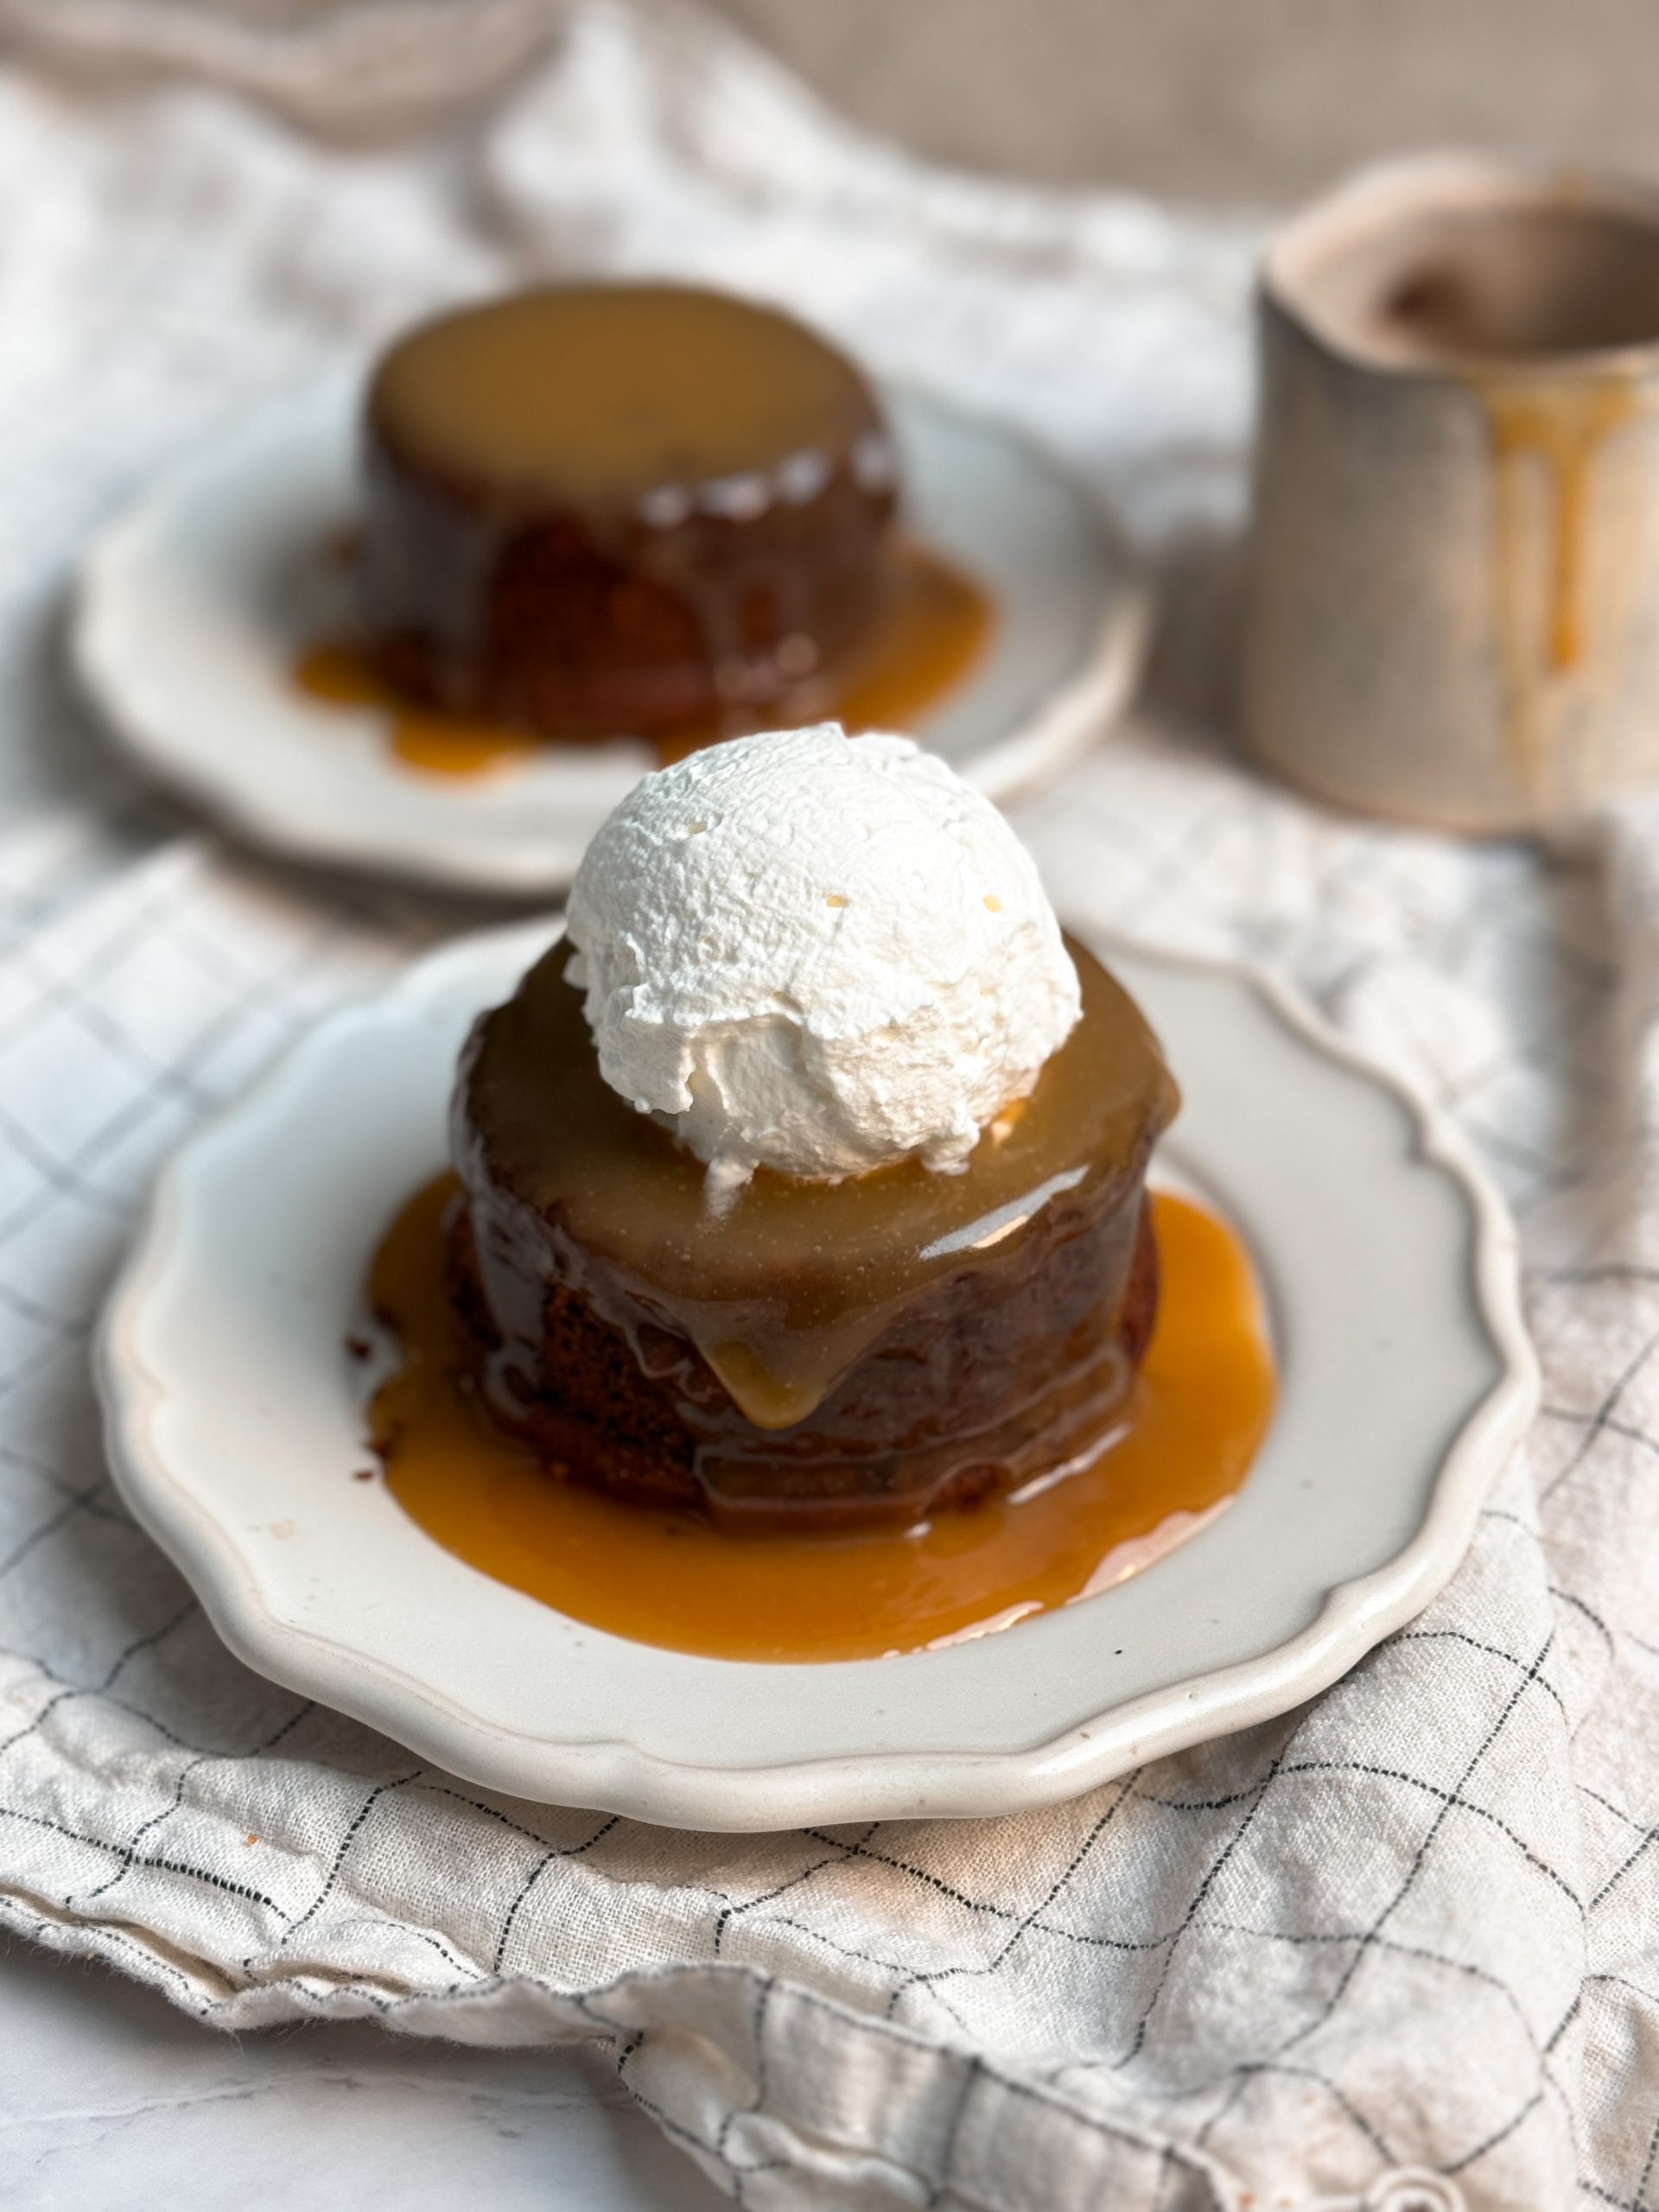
{"points": [[1399, 1948]]}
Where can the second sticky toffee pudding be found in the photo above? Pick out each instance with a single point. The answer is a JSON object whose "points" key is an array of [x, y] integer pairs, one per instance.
{"points": [[595, 508]]}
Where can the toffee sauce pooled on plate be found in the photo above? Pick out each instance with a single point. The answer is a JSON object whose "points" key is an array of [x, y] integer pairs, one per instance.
{"points": [[930, 634], [1182, 1445]]}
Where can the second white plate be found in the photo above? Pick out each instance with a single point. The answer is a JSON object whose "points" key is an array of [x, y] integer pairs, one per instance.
{"points": [[193, 607], [235, 1422]]}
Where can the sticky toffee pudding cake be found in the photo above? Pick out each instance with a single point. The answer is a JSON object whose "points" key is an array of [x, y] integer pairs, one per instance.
{"points": [[622, 507], [805, 1180], [880, 1345]]}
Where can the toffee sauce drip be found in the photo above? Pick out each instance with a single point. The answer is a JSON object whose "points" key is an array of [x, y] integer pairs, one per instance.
{"points": [[936, 626]]}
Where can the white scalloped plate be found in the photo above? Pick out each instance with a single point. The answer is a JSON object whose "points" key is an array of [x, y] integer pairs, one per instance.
{"points": [[192, 606], [234, 1420]]}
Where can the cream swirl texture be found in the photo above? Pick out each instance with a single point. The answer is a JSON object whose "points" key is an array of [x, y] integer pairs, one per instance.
{"points": [[817, 954]]}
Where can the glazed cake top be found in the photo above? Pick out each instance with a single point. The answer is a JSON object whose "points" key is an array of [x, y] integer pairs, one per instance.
{"points": [[599, 393]]}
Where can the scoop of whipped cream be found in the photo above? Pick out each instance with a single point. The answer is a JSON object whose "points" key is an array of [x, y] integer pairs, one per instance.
{"points": [[817, 954]]}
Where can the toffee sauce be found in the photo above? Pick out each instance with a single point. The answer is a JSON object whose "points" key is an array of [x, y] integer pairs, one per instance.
{"points": [[936, 627], [1188, 1432]]}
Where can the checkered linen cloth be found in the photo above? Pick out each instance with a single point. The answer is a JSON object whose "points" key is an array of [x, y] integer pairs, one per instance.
{"points": [[1399, 1948]]}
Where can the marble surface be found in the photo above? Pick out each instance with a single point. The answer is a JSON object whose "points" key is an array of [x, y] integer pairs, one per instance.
{"points": [[110, 2099]]}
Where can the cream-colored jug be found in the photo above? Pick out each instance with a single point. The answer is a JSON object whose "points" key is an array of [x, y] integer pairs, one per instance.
{"points": [[1453, 606]]}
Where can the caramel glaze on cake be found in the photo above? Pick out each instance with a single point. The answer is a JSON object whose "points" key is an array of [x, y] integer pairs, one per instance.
{"points": [[823, 1353], [622, 507]]}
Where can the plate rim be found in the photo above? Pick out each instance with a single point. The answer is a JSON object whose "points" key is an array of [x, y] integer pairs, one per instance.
{"points": [[616, 1775], [1057, 730]]}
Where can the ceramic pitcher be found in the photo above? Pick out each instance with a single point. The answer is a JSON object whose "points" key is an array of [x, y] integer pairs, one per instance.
{"points": [[1454, 603]]}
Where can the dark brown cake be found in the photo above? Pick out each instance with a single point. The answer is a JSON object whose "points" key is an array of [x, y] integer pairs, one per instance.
{"points": [[830, 1351], [606, 509]]}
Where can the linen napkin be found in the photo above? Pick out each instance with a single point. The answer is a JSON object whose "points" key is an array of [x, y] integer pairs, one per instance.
{"points": [[1399, 1948]]}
